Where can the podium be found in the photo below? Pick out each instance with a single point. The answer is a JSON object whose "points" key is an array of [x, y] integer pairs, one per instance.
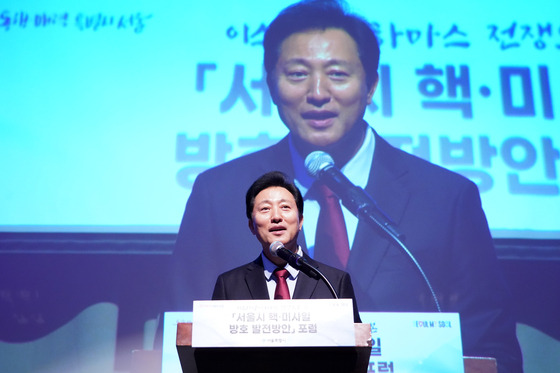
{"points": [[274, 359], [277, 359], [300, 336]]}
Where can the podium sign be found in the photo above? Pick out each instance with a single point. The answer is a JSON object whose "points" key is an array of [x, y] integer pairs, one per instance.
{"points": [[279, 323], [415, 342]]}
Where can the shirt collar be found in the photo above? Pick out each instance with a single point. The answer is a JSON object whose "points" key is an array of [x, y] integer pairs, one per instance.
{"points": [[269, 267]]}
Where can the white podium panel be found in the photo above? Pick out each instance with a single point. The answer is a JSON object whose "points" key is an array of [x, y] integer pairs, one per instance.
{"points": [[279, 323]]}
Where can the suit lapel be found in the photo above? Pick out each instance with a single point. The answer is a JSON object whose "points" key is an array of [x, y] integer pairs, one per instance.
{"points": [[305, 285], [386, 185], [254, 278]]}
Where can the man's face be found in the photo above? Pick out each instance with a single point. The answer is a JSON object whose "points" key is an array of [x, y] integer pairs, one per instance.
{"points": [[319, 85], [275, 217]]}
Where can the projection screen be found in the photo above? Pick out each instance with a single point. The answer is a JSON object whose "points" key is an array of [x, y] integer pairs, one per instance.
{"points": [[109, 110]]}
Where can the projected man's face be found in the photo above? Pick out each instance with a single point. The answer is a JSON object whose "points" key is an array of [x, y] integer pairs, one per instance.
{"points": [[320, 85]]}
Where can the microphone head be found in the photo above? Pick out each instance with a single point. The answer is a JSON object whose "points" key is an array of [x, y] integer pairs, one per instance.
{"points": [[274, 247], [317, 161]]}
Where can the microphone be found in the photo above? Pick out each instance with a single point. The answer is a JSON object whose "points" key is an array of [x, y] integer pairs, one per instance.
{"points": [[277, 249], [320, 165]]}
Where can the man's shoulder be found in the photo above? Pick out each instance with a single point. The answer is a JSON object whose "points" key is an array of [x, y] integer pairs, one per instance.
{"points": [[250, 166], [242, 269], [422, 170]]}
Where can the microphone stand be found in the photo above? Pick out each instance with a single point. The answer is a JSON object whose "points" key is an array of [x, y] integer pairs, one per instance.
{"points": [[315, 273], [320, 165], [364, 213]]}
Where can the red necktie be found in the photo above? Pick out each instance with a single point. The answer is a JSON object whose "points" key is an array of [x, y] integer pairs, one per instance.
{"points": [[331, 239], [282, 291]]}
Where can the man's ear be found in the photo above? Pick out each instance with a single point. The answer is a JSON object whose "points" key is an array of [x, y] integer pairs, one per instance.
{"points": [[371, 91], [251, 226], [271, 83]]}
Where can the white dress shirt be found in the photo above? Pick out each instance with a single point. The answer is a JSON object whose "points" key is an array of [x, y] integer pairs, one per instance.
{"points": [[271, 280]]}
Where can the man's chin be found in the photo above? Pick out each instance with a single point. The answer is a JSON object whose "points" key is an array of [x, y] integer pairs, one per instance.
{"points": [[341, 147], [273, 239], [313, 143]]}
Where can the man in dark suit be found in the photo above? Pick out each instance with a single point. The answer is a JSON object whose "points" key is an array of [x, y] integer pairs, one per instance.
{"points": [[274, 209], [321, 68]]}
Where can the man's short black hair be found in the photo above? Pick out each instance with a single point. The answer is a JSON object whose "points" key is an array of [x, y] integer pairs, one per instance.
{"points": [[272, 179], [320, 15]]}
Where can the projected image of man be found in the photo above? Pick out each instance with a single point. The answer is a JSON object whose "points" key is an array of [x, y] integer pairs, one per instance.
{"points": [[321, 64]]}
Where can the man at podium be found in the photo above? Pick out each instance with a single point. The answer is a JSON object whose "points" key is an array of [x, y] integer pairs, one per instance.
{"points": [[274, 208]]}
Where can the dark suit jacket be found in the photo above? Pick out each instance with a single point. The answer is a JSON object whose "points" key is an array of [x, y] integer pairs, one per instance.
{"points": [[249, 282], [439, 213]]}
